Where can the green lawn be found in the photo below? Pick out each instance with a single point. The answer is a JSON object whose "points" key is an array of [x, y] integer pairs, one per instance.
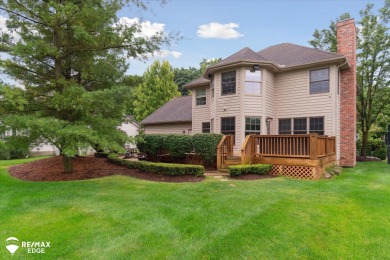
{"points": [[120, 217]]}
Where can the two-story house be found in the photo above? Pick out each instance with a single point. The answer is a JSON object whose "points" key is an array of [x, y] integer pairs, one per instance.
{"points": [[285, 89]]}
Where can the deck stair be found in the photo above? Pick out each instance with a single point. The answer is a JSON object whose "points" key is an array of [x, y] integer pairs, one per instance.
{"points": [[229, 161]]}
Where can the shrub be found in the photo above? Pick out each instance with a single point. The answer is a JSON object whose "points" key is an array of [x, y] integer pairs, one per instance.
{"points": [[261, 169], [150, 144], [161, 168], [178, 145], [4, 152], [381, 153], [101, 154], [10, 151], [206, 146], [375, 147]]}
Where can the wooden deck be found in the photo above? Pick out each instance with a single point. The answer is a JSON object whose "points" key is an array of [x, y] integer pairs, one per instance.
{"points": [[311, 151]]}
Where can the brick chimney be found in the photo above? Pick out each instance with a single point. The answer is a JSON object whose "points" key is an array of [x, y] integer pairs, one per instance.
{"points": [[346, 45]]}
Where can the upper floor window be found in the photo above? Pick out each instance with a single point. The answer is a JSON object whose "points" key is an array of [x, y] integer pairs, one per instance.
{"points": [[285, 126], [252, 125], [319, 81], [206, 127], [229, 83], [201, 96], [252, 82]]}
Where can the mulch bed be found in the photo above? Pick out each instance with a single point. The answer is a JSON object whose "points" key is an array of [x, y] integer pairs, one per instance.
{"points": [[367, 159], [51, 169], [253, 177]]}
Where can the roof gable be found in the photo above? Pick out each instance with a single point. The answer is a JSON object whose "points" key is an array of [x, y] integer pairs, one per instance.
{"points": [[245, 54], [178, 109]]}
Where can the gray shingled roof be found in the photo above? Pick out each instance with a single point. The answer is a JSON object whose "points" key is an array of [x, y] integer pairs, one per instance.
{"points": [[245, 54], [176, 110], [289, 54], [198, 81]]}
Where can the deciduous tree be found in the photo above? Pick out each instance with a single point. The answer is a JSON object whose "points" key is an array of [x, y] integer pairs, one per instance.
{"points": [[157, 88]]}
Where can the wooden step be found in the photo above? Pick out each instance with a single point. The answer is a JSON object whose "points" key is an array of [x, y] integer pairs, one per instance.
{"points": [[224, 170], [233, 158], [232, 162]]}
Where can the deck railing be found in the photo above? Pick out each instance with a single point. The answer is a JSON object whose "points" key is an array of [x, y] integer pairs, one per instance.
{"points": [[224, 149], [312, 146]]}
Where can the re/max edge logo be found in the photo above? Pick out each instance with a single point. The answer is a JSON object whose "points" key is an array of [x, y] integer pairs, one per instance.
{"points": [[33, 247]]}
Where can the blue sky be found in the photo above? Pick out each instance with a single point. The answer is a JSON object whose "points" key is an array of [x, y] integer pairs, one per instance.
{"points": [[250, 23], [219, 28]]}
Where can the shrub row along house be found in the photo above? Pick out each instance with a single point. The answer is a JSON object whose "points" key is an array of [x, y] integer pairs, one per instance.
{"points": [[272, 100]]}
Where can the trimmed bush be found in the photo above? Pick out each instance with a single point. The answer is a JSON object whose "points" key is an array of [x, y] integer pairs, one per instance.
{"points": [[150, 144], [161, 168], [101, 154], [206, 146], [178, 145], [261, 169]]}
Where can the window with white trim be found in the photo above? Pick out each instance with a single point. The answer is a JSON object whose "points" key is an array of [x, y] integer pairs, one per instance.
{"points": [[201, 96], [252, 82], [252, 125], [319, 81], [229, 83]]}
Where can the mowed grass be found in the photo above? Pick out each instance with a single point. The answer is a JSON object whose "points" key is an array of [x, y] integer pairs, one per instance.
{"points": [[120, 217]]}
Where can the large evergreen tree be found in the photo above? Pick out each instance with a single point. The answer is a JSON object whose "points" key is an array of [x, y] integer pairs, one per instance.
{"points": [[373, 64], [69, 56], [156, 89]]}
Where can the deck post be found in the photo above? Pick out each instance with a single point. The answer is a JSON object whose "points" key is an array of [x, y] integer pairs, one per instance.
{"points": [[313, 146]]}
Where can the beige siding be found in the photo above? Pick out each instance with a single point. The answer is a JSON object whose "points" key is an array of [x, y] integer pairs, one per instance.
{"points": [[201, 113], [269, 85], [292, 98], [168, 128], [229, 106]]}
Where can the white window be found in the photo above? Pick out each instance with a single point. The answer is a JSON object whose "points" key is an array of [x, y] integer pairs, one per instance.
{"points": [[252, 82], [201, 96], [319, 81]]}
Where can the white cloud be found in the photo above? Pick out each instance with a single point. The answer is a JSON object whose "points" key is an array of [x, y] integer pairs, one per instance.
{"points": [[148, 29], [166, 54], [219, 31]]}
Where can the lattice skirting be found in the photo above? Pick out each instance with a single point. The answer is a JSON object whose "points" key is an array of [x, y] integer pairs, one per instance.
{"points": [[300, 172]]}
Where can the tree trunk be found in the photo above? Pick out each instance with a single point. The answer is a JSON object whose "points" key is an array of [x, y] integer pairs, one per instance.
{"points": [[364, 144], [68, 164]]}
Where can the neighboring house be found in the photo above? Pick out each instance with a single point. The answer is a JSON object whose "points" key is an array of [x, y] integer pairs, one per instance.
{"points": [[130, 126], [282, 89]]}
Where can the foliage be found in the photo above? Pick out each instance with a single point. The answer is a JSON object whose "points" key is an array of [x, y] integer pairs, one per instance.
{"points": [[184, 76], [160, 168], [261, 169], [130, 82], [205, 63], [12, 151], [150, 144], [206, 146], [157, 89], [71, 57], [178, 145], [375, 147], [373, 64]]}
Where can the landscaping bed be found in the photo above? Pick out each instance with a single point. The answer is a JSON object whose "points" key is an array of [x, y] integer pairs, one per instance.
{"points": [[51, 169]]}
